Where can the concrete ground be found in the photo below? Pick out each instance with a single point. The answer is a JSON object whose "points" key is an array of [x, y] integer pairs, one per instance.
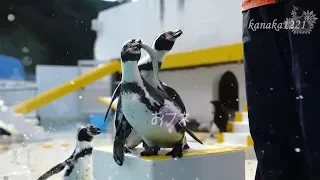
{"points": [[29, 161]]}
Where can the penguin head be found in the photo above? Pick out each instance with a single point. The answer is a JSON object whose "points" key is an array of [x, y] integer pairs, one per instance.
{"points": [[86, 133], [131, 50], [166, 40], [216, 103]]}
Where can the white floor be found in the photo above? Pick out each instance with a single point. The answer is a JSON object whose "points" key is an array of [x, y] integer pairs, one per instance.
{"points": [[28, 162]]}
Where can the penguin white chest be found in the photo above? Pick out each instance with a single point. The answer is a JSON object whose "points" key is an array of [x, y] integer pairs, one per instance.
{"points": [[134, 110], [153, 130], [82, 169]]}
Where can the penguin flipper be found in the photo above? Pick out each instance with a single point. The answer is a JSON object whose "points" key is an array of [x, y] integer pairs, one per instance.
{"points": [[115, 94], [118, 114], [55, 170], [123, 131], [174, 95], [150, 51]]}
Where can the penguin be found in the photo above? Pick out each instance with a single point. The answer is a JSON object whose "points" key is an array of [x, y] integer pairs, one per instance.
{"points": [[142, 104], [221, 117], [79, 164], [162, 44]]}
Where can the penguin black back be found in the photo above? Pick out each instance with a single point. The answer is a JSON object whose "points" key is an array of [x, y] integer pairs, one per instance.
{"points": [[221, 116]]}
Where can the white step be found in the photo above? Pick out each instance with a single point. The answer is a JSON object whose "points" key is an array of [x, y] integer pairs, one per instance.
{"points": [[201, 162], [29, 131], [243, 139], [249, 150], [239, 127], [34, 121]]}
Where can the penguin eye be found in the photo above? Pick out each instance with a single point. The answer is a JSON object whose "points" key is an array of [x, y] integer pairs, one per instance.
{"points": [[163, 36]]}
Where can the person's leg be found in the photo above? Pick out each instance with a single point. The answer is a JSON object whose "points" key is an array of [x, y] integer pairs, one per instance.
{"points": [[306, 65], [271, 97]]}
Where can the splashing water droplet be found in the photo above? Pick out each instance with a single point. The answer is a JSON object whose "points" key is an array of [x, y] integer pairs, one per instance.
{"points": [[4, 108], [25, 49], [27, 61], [11, 17]]}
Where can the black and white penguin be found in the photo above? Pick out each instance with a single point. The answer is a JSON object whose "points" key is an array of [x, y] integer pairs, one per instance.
{"points": [[149, 70], [79, 164], [221, 117], [144, 106], [161, 46]]}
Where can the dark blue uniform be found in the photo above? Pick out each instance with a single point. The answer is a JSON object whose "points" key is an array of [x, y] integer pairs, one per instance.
{"points": [[282, 72]]}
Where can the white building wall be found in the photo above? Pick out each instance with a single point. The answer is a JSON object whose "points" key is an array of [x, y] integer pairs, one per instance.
{"points": [[198, 86], [204, 23]]}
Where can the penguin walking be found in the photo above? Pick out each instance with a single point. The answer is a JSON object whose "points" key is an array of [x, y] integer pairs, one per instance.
{"points": [[156, 117], [79, 165], [162, 44]]}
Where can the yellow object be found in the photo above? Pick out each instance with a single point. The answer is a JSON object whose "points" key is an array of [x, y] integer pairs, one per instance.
{"points": [[230, 127], [250, 141], [47, 146], [220, 138], [238, 117], [245, 107], [187, 153], [107, 102], [65, 145], [190, 153], [68, 87], [216, 55]]}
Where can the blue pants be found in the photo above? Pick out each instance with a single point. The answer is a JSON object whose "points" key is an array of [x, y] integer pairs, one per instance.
{"points": [[282, 72]]}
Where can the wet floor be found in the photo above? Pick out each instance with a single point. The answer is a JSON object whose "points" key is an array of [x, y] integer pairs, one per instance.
{"points": [[29, 161]]}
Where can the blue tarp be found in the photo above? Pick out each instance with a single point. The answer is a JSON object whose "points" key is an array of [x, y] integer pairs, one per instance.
{"points": [[11, 68]]}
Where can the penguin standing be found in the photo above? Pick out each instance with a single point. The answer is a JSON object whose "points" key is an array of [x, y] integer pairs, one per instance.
{"points": [[162, 44], [221, 117], [79, 165], [144, 106]]}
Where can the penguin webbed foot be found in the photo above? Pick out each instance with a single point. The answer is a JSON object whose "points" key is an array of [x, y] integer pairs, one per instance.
{"points": [[186, 146], [150, 151], [177, 151], [126, 150]]}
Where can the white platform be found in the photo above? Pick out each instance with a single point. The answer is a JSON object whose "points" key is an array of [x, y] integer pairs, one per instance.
{"points": [[240, 127], [201, 162], [24, 131]]}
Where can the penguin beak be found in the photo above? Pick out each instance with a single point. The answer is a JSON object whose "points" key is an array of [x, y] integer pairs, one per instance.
{"points": [[137, 45], [95, 130], [177, 33]]}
